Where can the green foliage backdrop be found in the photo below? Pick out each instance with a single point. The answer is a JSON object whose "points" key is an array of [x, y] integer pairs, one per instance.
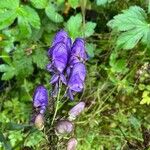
{"points": [[117, 91]]}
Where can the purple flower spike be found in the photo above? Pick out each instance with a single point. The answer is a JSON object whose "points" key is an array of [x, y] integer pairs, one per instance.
{"points": [[60, 57], [40, 98]]}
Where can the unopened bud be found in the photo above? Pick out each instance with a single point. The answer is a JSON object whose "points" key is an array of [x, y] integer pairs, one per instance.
{"points": [[72, 144], [64, 127], [76, 110], [39, 121]]}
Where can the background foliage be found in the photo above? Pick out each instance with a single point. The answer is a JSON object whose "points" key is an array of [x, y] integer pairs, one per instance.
{"points": [[117, 92]]}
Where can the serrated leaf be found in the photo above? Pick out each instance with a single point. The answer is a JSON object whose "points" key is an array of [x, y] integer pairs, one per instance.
{"points": [[52, 14], [7, 17], [30, 15], [73, 25], [89, 28], [73, 3], [132, 26], [40, 58], [9, 4], [40, 4], [8, 71]]}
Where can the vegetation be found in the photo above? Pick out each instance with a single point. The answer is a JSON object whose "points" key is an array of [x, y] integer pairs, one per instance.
{"points": [[117, 89]]}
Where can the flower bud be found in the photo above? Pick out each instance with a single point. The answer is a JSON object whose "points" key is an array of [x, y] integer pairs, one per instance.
{"points": [[39, 122], [76, 110], [64, 127], [40, 97], [72, 143]]}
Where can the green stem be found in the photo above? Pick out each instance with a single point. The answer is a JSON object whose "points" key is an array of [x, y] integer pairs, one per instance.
{"points": [[57, 104]]}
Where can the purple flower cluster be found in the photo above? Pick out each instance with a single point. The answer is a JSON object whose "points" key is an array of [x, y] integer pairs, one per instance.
{"points": [[67, 63]]}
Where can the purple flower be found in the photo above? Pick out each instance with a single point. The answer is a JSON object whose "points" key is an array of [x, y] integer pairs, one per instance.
{"points": [[60, 57], [78, 53], [76, 110], [76, 80], [40, 98], [72, 144], [61, 37], [64, 127]]}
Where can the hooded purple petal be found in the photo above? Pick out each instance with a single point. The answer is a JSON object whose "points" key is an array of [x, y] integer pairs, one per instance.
{"points": [[61, 37], [78, 49], [40, 97], [54, 78], [60, 57], [77, 77]]}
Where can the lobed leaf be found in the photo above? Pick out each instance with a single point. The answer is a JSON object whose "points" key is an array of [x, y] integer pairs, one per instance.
{"points": [[52, 14], [132, 26]]}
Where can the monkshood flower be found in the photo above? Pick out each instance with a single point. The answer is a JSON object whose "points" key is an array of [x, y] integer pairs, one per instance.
{"points": [[78, 53], [67, 63], [76, 79], [64, 127], [76, 110], [59, 55], [72, 144], [40, 99], [61, 36]]}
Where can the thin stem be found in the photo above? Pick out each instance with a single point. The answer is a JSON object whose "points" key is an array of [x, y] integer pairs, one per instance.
{"points": [[57, 102]]}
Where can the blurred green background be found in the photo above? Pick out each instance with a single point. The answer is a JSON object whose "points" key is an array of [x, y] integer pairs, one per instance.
{"points": [[117, 88]]}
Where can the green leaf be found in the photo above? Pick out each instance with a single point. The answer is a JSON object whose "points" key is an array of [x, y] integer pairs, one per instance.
{"points": [[9, 4], [5, 142], [89, 28], [30, 15], [52, 14], [90, 48], [148, 6], [74, 25], [22, 63], [103, 2], [73, 3], [7, 17], [119, 65], [132, 26], [40, 58], [24, 27], [9, 71], [40, 4]]}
